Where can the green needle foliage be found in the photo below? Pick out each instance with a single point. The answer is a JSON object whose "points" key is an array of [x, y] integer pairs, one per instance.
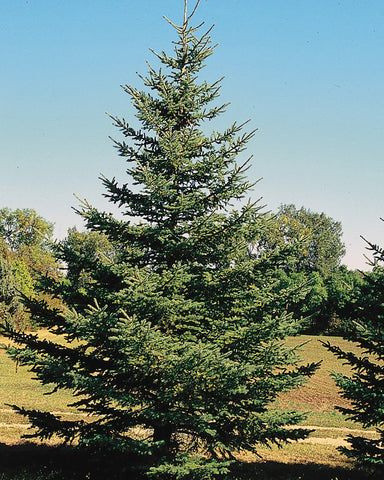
{"points": [[365, 387], [174, 343]]}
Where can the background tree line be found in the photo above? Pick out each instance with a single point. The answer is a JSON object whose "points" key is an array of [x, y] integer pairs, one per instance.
{"points": [[329, 287], [30, 259]]}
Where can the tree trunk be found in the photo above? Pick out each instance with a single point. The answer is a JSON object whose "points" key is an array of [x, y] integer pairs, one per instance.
{"points": [[163, 433]]}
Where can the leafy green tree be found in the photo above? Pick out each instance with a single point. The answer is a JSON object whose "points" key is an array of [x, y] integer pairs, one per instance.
{"points": [[343, 289], [24, 227], [26, 238], [176, 348], [316, 239], [329, 304], [365, 387], [11, 309], [323, 248], [23, 278], [7, 289], [25, 247]]}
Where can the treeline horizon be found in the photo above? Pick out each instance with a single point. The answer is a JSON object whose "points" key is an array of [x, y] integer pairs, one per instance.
{"points": [[30, 253]]}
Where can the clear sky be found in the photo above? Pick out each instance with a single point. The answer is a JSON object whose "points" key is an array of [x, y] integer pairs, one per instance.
{"points": [[308, 73]]}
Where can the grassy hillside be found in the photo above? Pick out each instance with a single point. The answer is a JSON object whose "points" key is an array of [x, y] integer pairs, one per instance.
{"points": [[320, 395], [318, 398]]}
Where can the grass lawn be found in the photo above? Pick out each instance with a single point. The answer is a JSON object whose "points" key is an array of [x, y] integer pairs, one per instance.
{"points": [[318, 397], [17, 387]]}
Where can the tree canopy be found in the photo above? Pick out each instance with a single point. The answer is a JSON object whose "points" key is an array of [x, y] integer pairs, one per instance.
{"points": [[322, 246], [25, 252], [23, 227]]}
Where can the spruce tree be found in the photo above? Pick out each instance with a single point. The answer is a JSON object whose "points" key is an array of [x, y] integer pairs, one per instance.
{"points": [[175, 343], [364, 388]]}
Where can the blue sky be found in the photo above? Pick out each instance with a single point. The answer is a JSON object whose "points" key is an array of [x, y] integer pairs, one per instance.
{"points": [[308, 73]]}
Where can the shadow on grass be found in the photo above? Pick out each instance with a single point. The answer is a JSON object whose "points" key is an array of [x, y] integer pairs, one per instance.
{"points": [[271, 470], [29, 461]]}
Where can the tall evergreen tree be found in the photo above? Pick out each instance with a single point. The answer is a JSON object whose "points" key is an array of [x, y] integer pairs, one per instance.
{"points": [[365, 387], [176, 345]]}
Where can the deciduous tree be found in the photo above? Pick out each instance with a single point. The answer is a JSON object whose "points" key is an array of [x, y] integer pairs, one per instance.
{"points": [[24, 227], [25, 248], [322, 249]]}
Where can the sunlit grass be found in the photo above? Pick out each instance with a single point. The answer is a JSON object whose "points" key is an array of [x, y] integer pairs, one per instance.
{"points": [[18, 387], [320, 395], [303, 453]]}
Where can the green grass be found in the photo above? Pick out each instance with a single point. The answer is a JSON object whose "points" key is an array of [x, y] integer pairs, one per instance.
{"points": [[320, 395], [18, 386]]}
